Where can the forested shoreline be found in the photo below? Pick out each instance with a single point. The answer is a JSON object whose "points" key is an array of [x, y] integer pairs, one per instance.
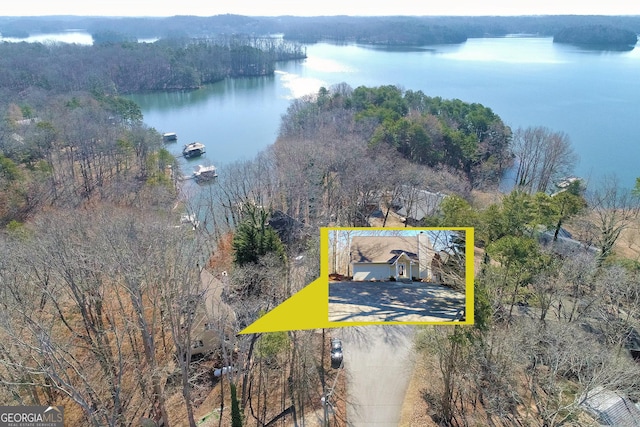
{"points": [[597, 35], [416, 31], [468, 138], [128, 67]]}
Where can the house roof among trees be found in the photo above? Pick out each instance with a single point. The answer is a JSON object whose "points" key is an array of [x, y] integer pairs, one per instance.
{"points": [[384, 249], [420, 204], [611, 409]]}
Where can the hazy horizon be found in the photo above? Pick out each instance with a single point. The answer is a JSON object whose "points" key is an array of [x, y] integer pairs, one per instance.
{"points": [[149, 8]]}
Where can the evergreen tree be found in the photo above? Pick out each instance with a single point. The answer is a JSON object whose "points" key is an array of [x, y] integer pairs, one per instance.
{"points": [[254, 238], [236, 415]]}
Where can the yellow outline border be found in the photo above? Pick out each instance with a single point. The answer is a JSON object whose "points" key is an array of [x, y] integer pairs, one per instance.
{"points": [[309, 307], [469, 271]]}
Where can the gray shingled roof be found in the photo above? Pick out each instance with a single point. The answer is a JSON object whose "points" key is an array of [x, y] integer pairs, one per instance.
{"points": [[425, 204], [611, 409], [383, 248]]}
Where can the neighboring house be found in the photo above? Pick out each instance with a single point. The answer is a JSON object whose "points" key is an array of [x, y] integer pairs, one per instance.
{"points": [[397, 257], [208, 311], [633, 344], [611, 409], [565, 244], [288, 228], [414, 205]]}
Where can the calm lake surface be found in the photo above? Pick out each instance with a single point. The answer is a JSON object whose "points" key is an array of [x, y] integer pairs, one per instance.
{"points": [[593, 96]]}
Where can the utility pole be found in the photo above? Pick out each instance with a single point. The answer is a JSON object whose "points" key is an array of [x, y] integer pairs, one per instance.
{"points": [[324, 383]]}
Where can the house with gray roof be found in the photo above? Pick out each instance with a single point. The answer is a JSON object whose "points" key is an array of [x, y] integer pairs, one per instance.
{"points": [[414, 205], [611, 409], [382, 258]]}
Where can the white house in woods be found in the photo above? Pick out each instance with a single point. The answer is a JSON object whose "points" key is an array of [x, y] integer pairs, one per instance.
{"points": [[398, 257]]}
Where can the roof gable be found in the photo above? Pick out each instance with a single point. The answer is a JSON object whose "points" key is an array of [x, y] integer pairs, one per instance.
{"points": [[384, 249]]}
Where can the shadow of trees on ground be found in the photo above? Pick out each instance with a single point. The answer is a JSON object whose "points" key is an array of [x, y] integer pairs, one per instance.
{"points": [[393, 301]]}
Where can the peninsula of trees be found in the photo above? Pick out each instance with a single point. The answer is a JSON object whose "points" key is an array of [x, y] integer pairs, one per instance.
{"points": [[127, 67], [431, 131]]}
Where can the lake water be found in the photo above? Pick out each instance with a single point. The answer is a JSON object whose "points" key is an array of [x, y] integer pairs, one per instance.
{"points": [[593, 96]]}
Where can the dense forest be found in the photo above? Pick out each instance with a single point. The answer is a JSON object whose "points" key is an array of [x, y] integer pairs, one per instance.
{"points": [[128, 67], [415, 31], [467, 138], [418, 31]]}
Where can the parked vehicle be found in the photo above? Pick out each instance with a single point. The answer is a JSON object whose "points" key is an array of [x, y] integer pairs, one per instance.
{"points": [[336, 353], [218, 372]]}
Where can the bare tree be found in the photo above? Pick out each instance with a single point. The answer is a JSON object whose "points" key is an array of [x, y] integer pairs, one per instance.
{"points": [[98, 307], [556, 354], [616, 315], [452, 350], [74, 325], [613, 208], [542, 156]]}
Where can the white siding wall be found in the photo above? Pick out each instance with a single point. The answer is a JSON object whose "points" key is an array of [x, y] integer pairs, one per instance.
{"points": [[368, 271]]}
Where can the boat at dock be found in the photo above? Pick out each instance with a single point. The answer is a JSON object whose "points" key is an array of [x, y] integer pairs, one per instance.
{"points": [[564, 183], [195, 149], [169, 137], [205, 173]]}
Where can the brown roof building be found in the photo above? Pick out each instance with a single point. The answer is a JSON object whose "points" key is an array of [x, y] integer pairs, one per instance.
{"points": [[391, 257]]}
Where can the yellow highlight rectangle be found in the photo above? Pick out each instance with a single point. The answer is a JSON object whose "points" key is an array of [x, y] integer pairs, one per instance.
{"points": [[370, 299], [310, 307]]}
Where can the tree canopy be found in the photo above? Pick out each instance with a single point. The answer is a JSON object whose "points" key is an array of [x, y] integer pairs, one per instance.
{"points": [[433, 131], [254, 238], [125, 67]]}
